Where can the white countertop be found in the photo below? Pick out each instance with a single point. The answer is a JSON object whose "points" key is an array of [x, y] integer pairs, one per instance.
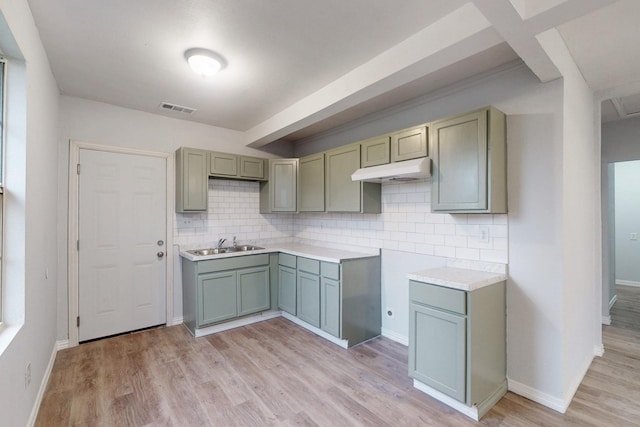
{"points": [[457, 278], [316, 252]]}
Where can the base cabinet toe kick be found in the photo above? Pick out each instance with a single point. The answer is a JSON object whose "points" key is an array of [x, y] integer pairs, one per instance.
{"points": [[457, 342]]}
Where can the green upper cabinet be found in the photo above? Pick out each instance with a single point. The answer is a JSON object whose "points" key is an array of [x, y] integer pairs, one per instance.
{"points": [[375, 151], [280, 192], [343, 194], [469, 163], [251, 167], [223, 164], [191, 180], [312, 183], [409, 144]]}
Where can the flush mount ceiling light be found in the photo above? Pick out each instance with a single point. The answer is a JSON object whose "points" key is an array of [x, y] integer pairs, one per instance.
{"points": [[204, 62]]}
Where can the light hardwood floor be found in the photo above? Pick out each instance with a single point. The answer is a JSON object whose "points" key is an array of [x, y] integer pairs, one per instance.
{"points": [[276, 373], [625, 313]]}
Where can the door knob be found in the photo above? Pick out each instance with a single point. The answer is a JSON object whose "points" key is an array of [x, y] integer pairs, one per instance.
{"points": [[160, 254]]}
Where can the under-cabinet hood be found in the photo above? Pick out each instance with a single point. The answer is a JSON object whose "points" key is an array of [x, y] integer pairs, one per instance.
{"points": [[407, 170]]}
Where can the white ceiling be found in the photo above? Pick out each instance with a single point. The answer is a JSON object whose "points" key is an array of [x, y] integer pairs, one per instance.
{"points": [[296, 67]]}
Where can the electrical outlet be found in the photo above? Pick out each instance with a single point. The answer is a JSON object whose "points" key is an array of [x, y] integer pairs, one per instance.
{"points": [[27, 375], [389, 312], [484, 233]]}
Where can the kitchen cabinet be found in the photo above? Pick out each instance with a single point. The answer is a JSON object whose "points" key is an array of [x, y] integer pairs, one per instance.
{"points": [[375, 151], [309, 291], [287, 283], [231, 166], [339, 298], [469, 163], [457, 342], [223, 164], [280, 192], [409, 144], [223, 289], [191, 180], [330, 298], [312, 183], [343, 194]]}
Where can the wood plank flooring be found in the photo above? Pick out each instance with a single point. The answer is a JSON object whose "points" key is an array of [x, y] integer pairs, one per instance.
{"points": [[275, 373], [625, 313]]}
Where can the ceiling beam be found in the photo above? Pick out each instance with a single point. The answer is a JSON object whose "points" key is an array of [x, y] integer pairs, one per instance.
{"points": [[462, 33]]}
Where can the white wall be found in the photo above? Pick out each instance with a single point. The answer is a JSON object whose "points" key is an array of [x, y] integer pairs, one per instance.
{"points": [[627, 221], [30, 297]]}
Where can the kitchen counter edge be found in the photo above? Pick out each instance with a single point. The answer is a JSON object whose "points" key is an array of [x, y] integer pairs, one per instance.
{"points": [[457, 278], [308, 251]]}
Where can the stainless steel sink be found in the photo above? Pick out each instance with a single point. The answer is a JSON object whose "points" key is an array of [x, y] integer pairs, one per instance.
{"points": [[211, 251], [217, 251], [244, 248]]}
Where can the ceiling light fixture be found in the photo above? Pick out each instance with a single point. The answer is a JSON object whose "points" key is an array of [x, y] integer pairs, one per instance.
{"points": [[204, 62]]}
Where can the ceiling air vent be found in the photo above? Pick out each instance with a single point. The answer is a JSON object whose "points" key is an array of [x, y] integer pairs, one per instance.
{"points": [[177, 108]]}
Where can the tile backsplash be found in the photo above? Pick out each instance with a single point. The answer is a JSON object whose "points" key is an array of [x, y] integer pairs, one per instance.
{"points": [[405, 224]]}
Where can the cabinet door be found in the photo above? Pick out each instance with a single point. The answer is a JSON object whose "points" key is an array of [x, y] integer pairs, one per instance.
{"points": [[330, 306], [343, 194], [287, 289], [223, 164], [409, 144], [191, 180], [251, 167], [437, 350], [309, 298], [253, 290], [217, 297], [374, 152], [312, 183], [283, 185], [459, 153]]}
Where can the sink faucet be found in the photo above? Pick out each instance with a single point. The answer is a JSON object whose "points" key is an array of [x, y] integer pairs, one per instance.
{"points": [[221, 241], [235, 242]]}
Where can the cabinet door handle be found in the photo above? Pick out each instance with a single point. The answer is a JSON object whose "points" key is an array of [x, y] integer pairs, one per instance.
{"points": [[160, 254]]}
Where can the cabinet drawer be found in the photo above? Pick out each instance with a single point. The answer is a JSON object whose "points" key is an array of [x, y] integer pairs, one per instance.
{"points": [[309, 265], [438, 296], [287, 260], [330, 270], [232, 263]]}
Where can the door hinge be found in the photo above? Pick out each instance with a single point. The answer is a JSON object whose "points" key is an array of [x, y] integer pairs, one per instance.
{"points": [[78, 168], [78, 321]]}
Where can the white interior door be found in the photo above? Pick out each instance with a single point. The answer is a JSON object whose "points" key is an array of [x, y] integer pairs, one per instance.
{"points": [[122, 243]]}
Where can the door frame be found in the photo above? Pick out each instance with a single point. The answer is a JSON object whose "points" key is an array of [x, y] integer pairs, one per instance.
{"points": [[73, 227]]}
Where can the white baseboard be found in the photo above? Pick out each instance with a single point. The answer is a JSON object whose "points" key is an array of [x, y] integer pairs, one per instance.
{"points": [[537, 396], [577, 380], [177, 321], [62, 344], [394, 336], [598, 350], [628, 283], [606, 320], [237, 323], [317, 331], [43, 386]]}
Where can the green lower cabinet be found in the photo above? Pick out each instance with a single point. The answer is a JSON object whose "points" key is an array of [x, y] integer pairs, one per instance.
{"points": [[287, 289], [217, 296], [309, 298], [438, 352], [330, 306], [215, 291], [253, 290]]}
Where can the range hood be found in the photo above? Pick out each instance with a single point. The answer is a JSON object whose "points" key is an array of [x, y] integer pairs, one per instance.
{"points": [[408, 170]]}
